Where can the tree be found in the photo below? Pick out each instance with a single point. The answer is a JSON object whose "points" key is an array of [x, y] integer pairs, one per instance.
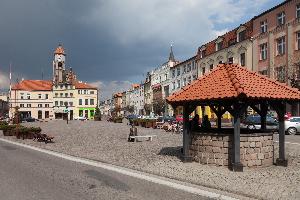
{"points": [[97, 116], [159, 106]]}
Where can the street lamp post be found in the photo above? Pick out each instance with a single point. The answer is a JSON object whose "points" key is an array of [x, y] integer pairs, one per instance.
{"points": [[67, 111]]}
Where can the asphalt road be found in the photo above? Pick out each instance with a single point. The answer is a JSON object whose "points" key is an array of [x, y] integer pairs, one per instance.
{"points": [[28, 175]]}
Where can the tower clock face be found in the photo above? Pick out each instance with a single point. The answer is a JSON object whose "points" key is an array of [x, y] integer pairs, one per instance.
{"points": [[60, 64]]}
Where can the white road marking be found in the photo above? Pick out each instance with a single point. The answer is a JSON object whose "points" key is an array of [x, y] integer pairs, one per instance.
{"points": [[289, 143], [129, 172]]}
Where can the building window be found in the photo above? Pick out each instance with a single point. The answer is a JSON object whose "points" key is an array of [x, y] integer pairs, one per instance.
{"points": [[242, 35], [61, 103], [178, 83], [189, 67], [40, 105], [194, 77], [40, 96], [71, 94], [189, 79], [46, 96], [92, 92], [22, 95], [203, 70], [243, 59], [193, 65], [178, 71], [263, 51], [264, 72], [298, 11], [71, 104], [80, 101], [56, 103], [21, 105], [184, 69], [173, 73], [298, 40], [61, 94], [211, 66], [280, 74], [281, 18], [166, 77], [281, 46], [56, 94], [230, 60], [92, 102], [263, 26], [219, 46], [66, 94], [184, 82], [86, 102], [28, 105], [85, 92], [28, 96], [47, 105], [79, 92]]}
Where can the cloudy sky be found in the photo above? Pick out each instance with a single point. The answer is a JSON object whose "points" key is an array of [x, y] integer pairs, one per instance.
{"points": [[111, 43]]}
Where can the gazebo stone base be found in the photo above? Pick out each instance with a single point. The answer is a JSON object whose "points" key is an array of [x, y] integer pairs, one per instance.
{"points": [[280, 162], [256, 149]]}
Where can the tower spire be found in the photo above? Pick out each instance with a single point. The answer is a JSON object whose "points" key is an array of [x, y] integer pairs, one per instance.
{"points": [[171, 56]]}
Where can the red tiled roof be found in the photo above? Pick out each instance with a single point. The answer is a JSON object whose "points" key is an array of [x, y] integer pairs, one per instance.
{"points": [[118, 95], [80, 85], [229, 81], [33, 85]]}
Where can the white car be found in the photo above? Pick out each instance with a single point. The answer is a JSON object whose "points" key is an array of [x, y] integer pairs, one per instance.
{"points": [[292, 125], [82, 118]]}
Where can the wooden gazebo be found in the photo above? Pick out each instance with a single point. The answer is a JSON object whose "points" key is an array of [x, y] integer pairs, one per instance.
{"points": [[233, 88]]}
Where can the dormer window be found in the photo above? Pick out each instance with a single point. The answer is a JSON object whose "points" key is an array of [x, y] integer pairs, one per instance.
{"points": [[281, 18], [242, 36], [203, 53], [219, 46]]}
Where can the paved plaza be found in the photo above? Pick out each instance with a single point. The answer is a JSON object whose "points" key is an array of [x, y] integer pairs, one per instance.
{"points": [[107, 142]]}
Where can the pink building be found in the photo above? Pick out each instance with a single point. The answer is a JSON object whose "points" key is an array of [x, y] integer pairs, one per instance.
{"points": [[276, 44]]}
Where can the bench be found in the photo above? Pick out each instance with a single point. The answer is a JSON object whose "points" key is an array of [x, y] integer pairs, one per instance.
{"points": [[148, 137]]}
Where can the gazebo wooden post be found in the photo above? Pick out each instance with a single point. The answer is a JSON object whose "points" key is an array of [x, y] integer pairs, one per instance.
{"points": [[186, 134], [237, 166], [280, 109], [263, 115]]}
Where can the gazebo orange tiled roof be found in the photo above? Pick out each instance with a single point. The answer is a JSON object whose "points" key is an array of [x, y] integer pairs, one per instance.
{"points": [[233, 88], [229, 81]]}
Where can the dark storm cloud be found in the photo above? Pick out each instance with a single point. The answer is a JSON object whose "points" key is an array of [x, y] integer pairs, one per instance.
{"points": [[107, 40]]}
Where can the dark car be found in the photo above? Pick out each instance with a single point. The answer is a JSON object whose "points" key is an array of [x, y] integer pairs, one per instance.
{"points": [[166, 119], [254, 122], [29, 119]]}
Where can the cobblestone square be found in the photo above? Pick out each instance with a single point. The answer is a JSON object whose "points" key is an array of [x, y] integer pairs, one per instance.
{"points": [[107, 142]]}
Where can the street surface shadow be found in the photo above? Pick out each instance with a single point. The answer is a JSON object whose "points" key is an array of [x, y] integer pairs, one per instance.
{"points": [[9, 148], [107, 180], [171, 151]]}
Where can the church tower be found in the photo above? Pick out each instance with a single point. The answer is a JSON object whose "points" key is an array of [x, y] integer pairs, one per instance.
{"points": [[59, 66]]}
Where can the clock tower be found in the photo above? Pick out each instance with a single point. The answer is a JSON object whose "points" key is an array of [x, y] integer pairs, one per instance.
{"points": [[59, 66]]}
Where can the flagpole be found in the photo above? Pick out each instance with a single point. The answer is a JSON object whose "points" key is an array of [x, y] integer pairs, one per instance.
{"points": [[10, 101]]}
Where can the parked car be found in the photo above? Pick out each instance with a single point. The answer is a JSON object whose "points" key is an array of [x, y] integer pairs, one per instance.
{"points": [[131, 116], [29, 119], [82, 118], [292, 125], [166, 119], [254, 122]]}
